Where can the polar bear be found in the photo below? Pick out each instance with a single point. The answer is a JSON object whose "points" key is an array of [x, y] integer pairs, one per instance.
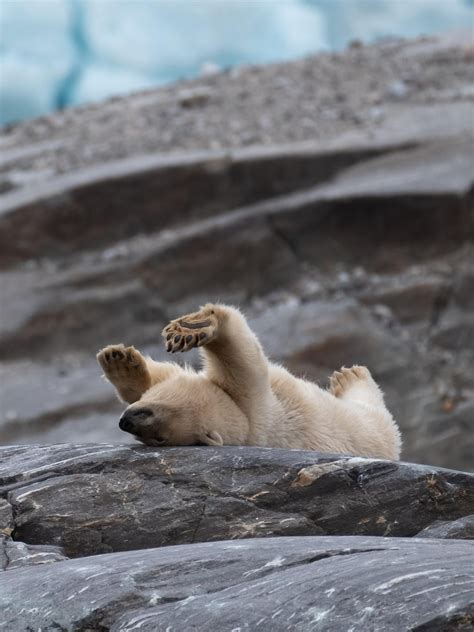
{"points": [[241, 398]]}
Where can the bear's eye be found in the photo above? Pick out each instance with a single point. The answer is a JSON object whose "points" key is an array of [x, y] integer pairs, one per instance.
{"points": [[141, 413], [160, 439]]}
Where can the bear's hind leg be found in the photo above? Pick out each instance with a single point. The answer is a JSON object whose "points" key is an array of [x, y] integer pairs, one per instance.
{"points": [[193, 330], [356, 384], [233, 358]]}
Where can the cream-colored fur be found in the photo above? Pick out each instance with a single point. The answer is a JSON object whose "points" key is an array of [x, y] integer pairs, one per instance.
{"points": [[240, 398]]}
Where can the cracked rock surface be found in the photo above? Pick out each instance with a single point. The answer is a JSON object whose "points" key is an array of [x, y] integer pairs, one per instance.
{"points": [[99, 499], [277, 584]]}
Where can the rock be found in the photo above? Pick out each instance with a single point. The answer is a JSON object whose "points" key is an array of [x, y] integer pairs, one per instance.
{"points": [[451, 428], [214, 181], [398, 89], [325, 334], [461, 529], [456, 331], [17, 554], [411, 299], [192, 98], [102, 498], [6, 518], [411, 194], [277, 584]]}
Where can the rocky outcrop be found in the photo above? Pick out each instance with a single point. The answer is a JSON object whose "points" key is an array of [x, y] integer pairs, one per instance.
{"points": [[338, 214], [460, 529], [101, 499], [222, 510], [17, 554], [278, 584]]}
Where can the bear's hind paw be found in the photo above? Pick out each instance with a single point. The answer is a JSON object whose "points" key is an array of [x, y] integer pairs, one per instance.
{"points": [[192, 330], [341, 381]]}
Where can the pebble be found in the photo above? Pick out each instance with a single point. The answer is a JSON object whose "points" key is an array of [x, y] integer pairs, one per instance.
{"points": [[397, 89]]}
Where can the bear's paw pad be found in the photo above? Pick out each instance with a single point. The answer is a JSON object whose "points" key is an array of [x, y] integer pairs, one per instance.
{"points": [[192, 330]]}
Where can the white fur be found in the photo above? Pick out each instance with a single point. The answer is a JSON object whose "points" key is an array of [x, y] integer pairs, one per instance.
{"points": [[243, 399]]}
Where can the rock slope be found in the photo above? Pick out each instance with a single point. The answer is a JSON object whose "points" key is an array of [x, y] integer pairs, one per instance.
{"points": [[338, 214], [279, 584]]}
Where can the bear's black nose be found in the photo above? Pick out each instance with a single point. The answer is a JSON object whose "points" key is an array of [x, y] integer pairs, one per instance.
{"points": [[126, 423], [130, 419]]}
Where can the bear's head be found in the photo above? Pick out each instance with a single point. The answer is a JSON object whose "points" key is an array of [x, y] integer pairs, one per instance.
{"points": [[187, 409]]}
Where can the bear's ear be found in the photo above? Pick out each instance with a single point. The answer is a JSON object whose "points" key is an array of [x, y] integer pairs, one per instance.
{"points": [[211, 438]]}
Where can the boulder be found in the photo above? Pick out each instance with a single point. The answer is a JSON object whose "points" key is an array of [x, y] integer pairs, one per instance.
{"points": [[276, 584], [17, 554], [91, 499], [462, 528]]}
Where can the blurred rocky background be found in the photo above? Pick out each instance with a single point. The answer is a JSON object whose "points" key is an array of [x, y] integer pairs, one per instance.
{"points": [[331, 198]]}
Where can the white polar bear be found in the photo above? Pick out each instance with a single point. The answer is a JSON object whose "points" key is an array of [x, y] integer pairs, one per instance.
{"points": [[240, 398]]}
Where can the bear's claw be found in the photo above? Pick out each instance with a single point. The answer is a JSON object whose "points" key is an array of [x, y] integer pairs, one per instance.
{"points": [[341, 380], [192, 330]]}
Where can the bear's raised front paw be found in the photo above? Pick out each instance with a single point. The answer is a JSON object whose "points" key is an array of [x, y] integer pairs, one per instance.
{"points": [[121, 362], [192, 330], [341, 380]]}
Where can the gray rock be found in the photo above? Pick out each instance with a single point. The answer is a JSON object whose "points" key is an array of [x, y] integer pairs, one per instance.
{"points": [[461, 529], [6, 518], [411, 299], [278, 584], [453, 420], [101, 499], [456, 331], [398, 89], [17, 554], [214, 181]]}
